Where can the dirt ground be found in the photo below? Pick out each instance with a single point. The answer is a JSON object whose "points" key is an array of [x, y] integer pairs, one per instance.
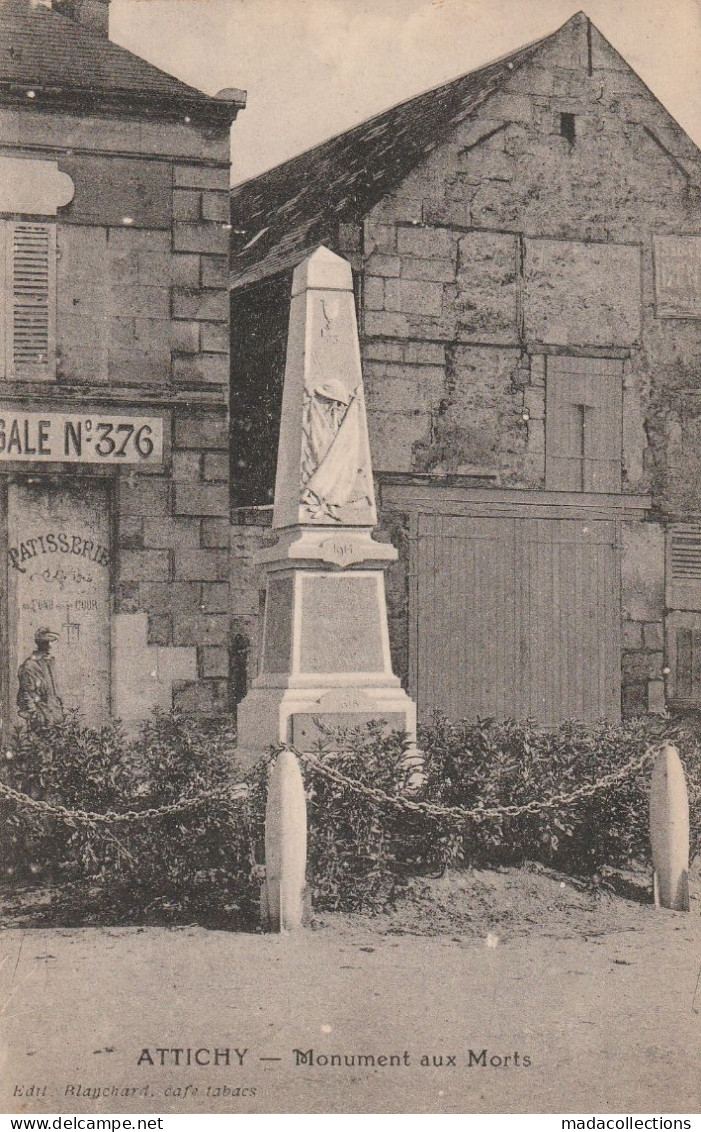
{"points": [[514, 990]]}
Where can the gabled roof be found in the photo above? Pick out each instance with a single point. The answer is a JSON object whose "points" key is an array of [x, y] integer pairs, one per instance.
{"points": [[289, 210], [64, 62], [280, 216]]}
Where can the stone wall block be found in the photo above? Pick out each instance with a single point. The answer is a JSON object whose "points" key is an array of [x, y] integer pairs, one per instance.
{"points": [[385, 266], [374, 350], [130, 533], [201, 629], [214, 271], [121, 331], [201, 565], [215, 206], [374, 293], [167, 534], [215, 533], [196, 304], [425, 353], [187, 205], [209, 369], [137, 367], [393, 436], [538, 370], [140, 302], [180, 599], [386, 324], [214, 338], [215, 597], [143, 496], [201, 431], [632, 635], [203, 237], [536, 435], [201, 177], [185, 336], [214, 661], [380, 237], [653, 635], [187, 465], [432, 270], [208, 697], [216, 466], [393, 394], [144, 565], [184, 270], [201, 499], [534, 403], [425, 243], [184, 140], [413, 297], [160, 629]]}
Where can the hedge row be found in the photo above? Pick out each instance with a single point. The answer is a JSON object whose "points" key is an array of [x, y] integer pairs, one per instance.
{"points": [[206, 864]]}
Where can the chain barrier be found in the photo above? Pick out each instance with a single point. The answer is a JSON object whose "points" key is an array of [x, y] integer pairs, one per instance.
{"points": [[240, 790], [478, 812], [226, 791]]}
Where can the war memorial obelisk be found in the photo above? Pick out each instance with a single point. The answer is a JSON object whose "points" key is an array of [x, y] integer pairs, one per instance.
{"points": [[325, 654]]}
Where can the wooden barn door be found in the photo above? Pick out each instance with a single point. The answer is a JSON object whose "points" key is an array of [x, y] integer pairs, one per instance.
{"points": [[516, 617]]}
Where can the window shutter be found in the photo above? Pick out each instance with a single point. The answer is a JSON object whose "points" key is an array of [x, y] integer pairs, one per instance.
{"points": [[684, 567], [583, 424], [30, 330], [686, 552]]}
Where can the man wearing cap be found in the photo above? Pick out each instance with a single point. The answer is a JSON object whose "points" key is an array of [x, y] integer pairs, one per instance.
{"points": [[38, 701]]}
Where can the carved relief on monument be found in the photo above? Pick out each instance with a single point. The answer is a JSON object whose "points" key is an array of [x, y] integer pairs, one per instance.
{"points": [[336, 483]]}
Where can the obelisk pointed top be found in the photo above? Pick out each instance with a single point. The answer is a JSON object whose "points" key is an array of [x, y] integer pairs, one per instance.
{"points": [[323, 270]]}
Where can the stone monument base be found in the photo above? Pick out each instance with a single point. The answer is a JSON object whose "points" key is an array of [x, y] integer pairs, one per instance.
{"points": [[300, 716]]}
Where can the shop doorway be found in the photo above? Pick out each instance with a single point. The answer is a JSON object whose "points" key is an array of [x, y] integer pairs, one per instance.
{"points": [[58, 572]]}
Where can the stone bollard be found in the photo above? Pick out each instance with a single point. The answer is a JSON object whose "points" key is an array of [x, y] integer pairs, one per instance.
{"points": [[669, 831], [283, 899]]}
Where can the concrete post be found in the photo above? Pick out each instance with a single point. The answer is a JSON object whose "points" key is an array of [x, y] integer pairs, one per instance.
{"points": [[283, 896], [669, 831]]}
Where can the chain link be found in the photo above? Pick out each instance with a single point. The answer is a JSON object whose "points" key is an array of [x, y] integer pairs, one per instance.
{"points": [[478, 812], [239, 791], [225, 792]]}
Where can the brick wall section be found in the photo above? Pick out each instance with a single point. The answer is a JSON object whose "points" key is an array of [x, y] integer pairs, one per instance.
{"points": [[143, 326]]}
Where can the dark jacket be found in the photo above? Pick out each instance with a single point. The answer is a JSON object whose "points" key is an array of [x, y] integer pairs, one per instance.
{"points": [[38, 701]]}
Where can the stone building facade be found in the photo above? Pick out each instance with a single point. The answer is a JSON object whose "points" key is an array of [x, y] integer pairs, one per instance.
{"points": [[527, 254], [114, 471]]}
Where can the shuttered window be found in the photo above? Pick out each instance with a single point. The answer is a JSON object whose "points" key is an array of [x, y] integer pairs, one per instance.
{"points": [[686, 552], [583, 424], [683, 589], [29, 300]]}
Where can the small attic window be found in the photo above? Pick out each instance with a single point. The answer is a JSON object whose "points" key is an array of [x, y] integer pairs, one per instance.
{"points": [[567, 127]]}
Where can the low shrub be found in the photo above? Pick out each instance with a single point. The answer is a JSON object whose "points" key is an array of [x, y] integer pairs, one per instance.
{"points": [[512, 763], [190, 865], [205, 864]]}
